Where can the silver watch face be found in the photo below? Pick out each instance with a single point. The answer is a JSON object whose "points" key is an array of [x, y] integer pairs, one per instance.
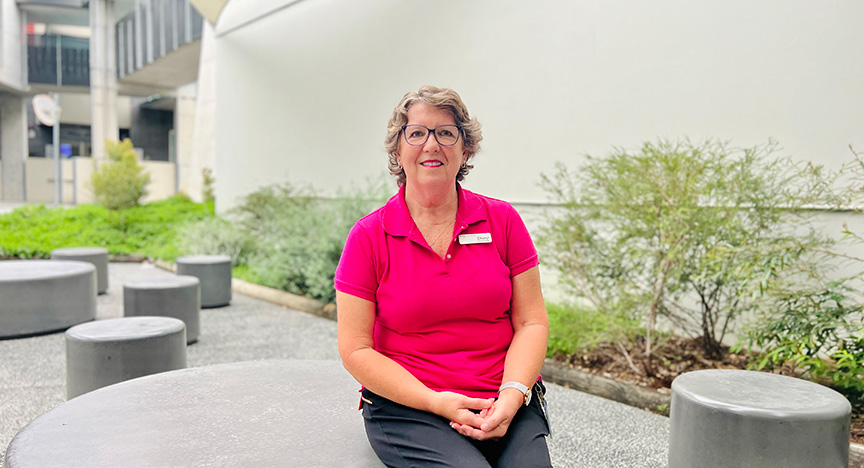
{"points": [[528, 395]]}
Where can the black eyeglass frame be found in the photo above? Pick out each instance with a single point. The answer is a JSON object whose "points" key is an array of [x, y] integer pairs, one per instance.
{"points": [[431, 131]]}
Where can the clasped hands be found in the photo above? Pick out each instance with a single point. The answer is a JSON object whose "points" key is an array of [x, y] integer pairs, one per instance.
{"points": [[492, 420]]}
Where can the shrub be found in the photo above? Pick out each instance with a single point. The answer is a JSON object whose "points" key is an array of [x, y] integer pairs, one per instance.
{"points": [[688, 231], [289, 238], [816, 331], [119, 182], [33, 231], [216, 236], [818, 334]]}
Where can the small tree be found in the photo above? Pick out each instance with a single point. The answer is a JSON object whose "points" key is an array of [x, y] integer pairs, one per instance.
{"points": [[119, 182], [683, 230]]}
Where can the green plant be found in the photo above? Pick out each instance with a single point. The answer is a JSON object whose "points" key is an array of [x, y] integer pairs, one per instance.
{"points": [[687, 231], [575, 328], [120, 182], [818, 334], [32, 231], [216, 236], [207, 186], [298, 237]]}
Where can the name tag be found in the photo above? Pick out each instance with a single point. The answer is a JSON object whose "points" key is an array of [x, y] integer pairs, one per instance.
{"points": [[483, 238]]}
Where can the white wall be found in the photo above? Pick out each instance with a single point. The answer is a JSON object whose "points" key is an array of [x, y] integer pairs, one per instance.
{"points": [[306, 90]]}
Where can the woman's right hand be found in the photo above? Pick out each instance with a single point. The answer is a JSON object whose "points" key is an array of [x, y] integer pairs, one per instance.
{"points": [[458, 408]]}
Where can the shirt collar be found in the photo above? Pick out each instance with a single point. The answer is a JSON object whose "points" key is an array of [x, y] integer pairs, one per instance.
{"points": [[397, 219]]}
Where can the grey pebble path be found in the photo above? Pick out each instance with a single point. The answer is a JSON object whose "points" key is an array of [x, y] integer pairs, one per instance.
{"points": [[588, 431]]}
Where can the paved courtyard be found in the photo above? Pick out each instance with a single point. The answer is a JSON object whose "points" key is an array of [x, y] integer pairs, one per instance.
{"points": [[588, 431]]}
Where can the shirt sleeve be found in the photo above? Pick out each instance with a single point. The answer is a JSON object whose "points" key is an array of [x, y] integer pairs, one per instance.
{"points": [[521, 254], [355, 273]]}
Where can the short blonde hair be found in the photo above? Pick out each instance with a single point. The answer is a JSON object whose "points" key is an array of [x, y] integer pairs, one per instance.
{"points": [[444, 99]]}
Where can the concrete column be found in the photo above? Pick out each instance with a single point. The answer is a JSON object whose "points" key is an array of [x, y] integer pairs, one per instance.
{"points": [[103, 76], [202, 148], [13, 146]]}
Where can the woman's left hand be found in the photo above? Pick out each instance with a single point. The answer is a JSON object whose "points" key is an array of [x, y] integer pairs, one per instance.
{"points": [[496, 419]]}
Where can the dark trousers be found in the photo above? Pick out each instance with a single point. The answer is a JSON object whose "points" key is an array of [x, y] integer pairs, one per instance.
{"points": [[405, 437]]}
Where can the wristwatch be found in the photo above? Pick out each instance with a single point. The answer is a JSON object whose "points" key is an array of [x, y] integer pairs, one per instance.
{"points": [[518, 386]]}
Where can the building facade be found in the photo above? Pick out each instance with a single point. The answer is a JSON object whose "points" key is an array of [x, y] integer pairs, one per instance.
{"points": [[117, 69]]}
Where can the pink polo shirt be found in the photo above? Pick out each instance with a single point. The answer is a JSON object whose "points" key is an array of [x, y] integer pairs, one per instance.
{"points": [[447, 321]]}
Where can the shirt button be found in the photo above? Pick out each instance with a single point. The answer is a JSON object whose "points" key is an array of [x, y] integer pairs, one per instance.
{"points": [[448, 256]]}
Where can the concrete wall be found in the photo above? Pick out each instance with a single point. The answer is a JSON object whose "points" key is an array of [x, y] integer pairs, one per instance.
{"points": [[13, 145], [76, 109], [11, 72], [202, 153], [162, 180], [184, 135], [309, 86], [77, 173], [40, 180]]}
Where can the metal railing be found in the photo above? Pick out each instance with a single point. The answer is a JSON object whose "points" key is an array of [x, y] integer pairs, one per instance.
{"points": [[59, 60], [153, 30]]}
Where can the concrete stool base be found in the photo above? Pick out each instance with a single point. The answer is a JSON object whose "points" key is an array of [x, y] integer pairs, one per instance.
{"points": [[98, 256], [169, 296], [110, 351], [42, 296], [249, 414], [733, 418], [214, 272]]}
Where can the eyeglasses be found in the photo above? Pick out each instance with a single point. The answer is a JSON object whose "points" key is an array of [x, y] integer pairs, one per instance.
{"points": [[445, 135]]}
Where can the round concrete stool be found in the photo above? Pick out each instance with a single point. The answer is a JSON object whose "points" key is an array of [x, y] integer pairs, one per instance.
{"points": [[167, 296], [734, 418], [214, 272], [247, 414], [41, 296], [109, 351], [98, 256]]}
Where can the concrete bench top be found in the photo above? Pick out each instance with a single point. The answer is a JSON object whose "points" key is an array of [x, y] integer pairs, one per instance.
{"points": [[125, 329], [80, 251], [165, 282], [203, 259], [21, 271], [252, 414], [761, 393]]}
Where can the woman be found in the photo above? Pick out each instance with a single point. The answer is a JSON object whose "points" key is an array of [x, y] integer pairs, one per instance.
{"points": [[441, 317]]}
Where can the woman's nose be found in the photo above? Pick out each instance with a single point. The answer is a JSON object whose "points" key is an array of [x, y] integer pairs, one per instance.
{"points": [[431, 145]]}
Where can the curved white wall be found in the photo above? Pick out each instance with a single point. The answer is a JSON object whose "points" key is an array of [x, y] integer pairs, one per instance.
{"points": [[306, 88]]}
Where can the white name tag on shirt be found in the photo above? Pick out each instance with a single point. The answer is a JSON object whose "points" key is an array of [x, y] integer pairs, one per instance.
{"points": [[482, 238]]}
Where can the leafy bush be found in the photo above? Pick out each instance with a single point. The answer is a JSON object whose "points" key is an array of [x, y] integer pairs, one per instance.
{"points": [[33, 231], [119, 182], [216, 236], [818, 334], [688, 231], [289, 238]]}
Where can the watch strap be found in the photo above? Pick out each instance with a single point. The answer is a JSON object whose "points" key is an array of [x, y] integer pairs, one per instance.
{"points": [[526, 392]]}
